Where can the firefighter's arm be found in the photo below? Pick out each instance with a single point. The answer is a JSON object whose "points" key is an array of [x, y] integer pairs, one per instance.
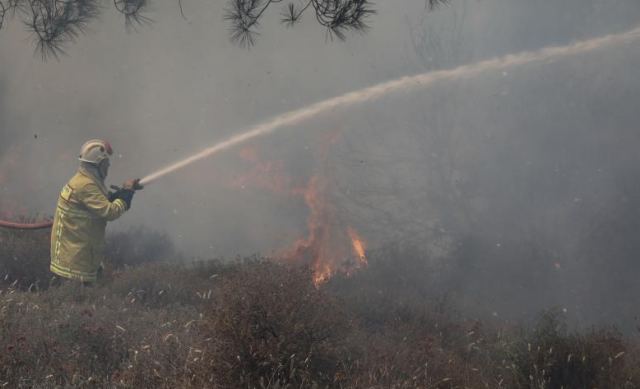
{"points": [[99, 204]]}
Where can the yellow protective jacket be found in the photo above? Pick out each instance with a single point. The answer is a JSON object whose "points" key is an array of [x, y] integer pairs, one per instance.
{"points": [[77, 237]]}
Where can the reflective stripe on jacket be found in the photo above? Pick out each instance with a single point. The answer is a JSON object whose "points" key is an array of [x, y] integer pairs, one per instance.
{"points": [[77, 236]]}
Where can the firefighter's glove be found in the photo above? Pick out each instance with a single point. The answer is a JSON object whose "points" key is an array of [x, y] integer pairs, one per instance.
{"points": [[126, 195], [112, 196]]}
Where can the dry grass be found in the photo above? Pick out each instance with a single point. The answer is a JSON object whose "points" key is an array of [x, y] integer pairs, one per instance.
{"points": [[256, 324]]}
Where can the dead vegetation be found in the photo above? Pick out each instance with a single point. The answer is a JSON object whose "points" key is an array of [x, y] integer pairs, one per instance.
{"points": [[257, 324]]}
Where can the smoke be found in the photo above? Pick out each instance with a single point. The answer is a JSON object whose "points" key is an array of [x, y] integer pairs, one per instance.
{"points": [[386, 88], [518, 184]]}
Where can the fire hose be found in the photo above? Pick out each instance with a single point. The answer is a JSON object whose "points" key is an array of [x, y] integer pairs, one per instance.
{"points": [[49, 223], [26, 226]]}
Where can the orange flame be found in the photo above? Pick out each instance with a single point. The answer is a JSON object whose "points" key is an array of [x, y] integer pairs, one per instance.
{"points": [[328, 248], [359, 246]]}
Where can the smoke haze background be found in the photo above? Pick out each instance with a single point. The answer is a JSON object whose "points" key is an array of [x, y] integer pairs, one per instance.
{"points": [[521, 185]]}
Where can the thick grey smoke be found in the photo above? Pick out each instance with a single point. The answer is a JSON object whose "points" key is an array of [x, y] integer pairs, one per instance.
{"points": [[524, 180]]}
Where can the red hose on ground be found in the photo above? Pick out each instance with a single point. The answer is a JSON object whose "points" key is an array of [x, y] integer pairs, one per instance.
{"points": [[26, 226]]}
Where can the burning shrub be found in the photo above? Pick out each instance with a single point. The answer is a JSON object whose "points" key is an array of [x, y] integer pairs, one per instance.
{"points": [[273, 328]]}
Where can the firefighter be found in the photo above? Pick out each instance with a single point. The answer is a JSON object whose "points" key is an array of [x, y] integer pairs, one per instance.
{"points": [[83, 210]]}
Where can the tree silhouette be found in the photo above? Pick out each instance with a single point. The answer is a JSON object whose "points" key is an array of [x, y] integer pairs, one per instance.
{"points": [[54, 23]]}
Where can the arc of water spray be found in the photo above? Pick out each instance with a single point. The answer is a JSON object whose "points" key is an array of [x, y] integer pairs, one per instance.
{"points": [[404, 83]]}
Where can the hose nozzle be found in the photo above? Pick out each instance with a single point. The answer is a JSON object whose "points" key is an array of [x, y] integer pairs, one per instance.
{"points": [[129, 185]]}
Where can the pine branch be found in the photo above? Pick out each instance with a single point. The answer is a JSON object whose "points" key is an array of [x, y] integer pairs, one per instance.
{"points": [[55, 23]]}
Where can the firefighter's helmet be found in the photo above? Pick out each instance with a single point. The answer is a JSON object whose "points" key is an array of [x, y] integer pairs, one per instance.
{"points": [[95, 151]]}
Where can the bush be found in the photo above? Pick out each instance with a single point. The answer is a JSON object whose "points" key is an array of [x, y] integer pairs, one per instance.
{"points": [[274, 329], [138, 246], [256, 324], [24, 258], [397, 286], [409, 334], [97, 339], [550, 357]]}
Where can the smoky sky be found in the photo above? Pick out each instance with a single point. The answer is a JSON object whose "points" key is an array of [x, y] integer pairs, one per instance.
{"points": [[526, 178]]}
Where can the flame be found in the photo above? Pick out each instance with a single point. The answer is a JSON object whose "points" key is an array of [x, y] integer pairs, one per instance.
{"points": [[359, 245], [329, 247], [322, 274]]}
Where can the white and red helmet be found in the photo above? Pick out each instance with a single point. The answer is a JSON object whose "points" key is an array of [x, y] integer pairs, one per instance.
{"points": [[95, 151]]}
